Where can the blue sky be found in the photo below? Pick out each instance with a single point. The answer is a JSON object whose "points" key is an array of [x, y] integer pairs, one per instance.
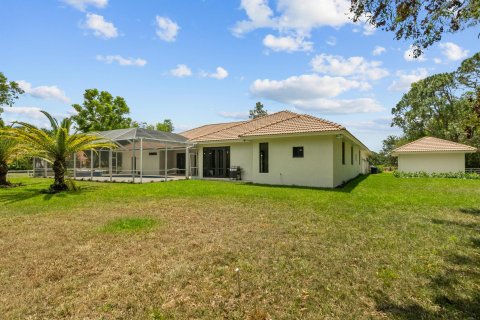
{"points": [[207, 61]]}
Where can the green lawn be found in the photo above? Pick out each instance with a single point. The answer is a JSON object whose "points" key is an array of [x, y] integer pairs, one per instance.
{"points": [[381, 247]]}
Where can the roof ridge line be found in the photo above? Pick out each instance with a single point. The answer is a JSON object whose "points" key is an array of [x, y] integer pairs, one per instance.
{"points": [[212, 124], [207, 134], [324, 120], [238, 124], [294, 115]]}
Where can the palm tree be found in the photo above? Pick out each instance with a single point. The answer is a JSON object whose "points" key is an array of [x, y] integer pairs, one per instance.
{"points": [[10, 149], [56, 145]]}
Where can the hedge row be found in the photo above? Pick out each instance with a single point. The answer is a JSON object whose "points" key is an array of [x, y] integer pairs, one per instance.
{"points": [[423, 174]]}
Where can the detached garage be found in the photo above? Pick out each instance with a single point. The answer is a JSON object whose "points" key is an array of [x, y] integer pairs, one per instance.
{"points": [[432, 155]]}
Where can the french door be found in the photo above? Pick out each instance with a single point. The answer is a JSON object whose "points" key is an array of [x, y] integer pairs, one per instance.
{"points": [[216, 162]]}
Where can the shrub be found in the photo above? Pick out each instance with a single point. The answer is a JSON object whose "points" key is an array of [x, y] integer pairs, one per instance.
{"points": [[450, 175]]}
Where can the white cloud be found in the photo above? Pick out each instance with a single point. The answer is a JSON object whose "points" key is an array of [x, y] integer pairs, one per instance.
{"points": [[378, 50], [331, 41], [453, 51], [405, 80], [181, 71], [31, 112], [437, 60], [220, 73], [309, 86], [31, 115], [292, 16], [377, 125], [408, 55], [288, 43], [353, 66], [259, 14], [340, 106], [314, 93], [167, 30], [234, 115], [122, 61], [83, 4], [100, 27], [368, 29], [44, 92]]}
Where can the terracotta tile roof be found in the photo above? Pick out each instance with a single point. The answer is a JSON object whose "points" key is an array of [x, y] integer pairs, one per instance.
{"points": [[299, 124], [283, 122], [432, 144], [194, 133]]}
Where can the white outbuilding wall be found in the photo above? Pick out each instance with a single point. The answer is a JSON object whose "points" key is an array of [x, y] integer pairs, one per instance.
{"points": [[431, 162]]}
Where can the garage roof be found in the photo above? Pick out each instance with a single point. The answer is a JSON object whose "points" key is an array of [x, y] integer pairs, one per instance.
{"points": [[432, 144]]}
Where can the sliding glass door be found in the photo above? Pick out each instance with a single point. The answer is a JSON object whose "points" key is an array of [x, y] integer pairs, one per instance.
{"points": [[216, 162]]}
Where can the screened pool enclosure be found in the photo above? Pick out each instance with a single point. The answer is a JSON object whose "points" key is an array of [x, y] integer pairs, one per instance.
{"points": [[141, 156]]}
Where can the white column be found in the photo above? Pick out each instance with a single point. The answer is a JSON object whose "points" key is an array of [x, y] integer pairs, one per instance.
{"points": [[74, 165], [34, 167], [91, 164], [110, 164], [134, 162], [141, 160], [166, 160], [187, 162], [45, 169]]}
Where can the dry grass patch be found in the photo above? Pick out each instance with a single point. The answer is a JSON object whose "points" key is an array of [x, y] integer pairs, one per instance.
{"points": [[302, 254]]}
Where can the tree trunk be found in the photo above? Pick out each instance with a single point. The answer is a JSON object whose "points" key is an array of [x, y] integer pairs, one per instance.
{"points": [[59, 168], [3, 174]]}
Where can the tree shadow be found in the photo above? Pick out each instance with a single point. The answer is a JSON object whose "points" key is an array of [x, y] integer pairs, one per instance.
{"points": [[469, 225], [472, 211], [23, 194], [451, 298]]}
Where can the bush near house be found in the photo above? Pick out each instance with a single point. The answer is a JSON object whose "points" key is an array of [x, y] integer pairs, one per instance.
{"points": [[450, 175]]}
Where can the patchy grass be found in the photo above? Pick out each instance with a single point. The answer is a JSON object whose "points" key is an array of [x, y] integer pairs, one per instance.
{"points": [[380, 247], [120, 225]]}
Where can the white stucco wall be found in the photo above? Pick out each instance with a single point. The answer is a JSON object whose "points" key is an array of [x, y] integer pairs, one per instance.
{"points": [[321, 165], [431, 162], [315, 169], [345, 172]]}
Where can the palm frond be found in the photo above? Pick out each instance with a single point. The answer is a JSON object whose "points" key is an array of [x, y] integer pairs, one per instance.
{"points": [[53, 121]]}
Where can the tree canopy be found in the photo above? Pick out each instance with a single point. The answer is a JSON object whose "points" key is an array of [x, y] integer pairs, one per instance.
{"points": [[101, 111], [9, 92], [165, 126], [445, 105], [258, 111], [424, 21]]}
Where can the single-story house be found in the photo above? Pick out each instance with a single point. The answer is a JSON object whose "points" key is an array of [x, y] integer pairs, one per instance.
{"points": [[283, 148], [432, 155]]}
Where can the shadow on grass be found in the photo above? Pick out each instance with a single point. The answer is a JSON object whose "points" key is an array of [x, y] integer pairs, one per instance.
{"points": [[469, 225], [472, 211], [347, 187], [452, 298], [23, 194]]}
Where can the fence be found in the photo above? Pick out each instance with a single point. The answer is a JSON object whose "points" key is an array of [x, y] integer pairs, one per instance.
{"points": [[20, 173]]}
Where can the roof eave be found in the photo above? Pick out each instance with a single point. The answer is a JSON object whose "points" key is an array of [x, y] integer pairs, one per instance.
{"points": [[396, 153]]}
